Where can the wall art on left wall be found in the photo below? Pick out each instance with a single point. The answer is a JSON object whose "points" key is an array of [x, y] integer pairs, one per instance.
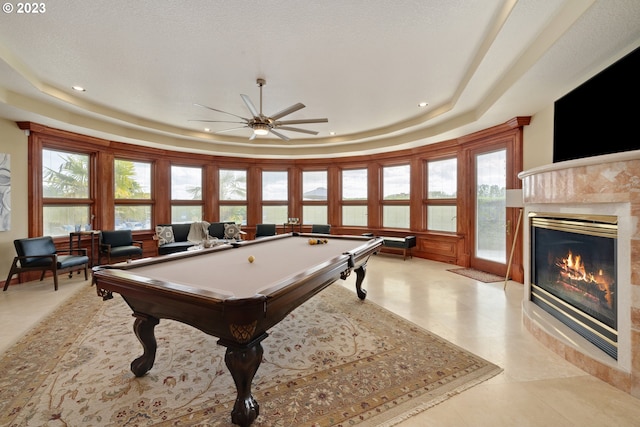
{"points": [[5, 192]]}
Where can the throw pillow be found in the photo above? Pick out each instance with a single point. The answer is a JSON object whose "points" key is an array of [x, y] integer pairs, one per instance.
{"points": [[231, 231], [165, 234]]}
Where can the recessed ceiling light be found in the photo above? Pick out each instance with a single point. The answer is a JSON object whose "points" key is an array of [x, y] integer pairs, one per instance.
{"points": [[332, 133], [207, 130], [78, 88], [423, 104]]}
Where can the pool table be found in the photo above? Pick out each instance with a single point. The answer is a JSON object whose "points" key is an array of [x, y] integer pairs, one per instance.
{"points": [[219, 291]]}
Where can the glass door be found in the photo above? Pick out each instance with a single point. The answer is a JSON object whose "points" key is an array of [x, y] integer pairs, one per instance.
{"points": [[490, 236]]}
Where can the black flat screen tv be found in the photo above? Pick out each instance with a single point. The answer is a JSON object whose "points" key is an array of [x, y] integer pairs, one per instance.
{"points": [[601, 116]]}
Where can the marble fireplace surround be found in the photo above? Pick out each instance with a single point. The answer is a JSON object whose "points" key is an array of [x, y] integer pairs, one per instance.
{"points": [[603, 185]]}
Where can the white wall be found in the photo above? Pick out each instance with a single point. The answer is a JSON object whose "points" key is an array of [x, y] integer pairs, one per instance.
{"points": [[538, 140], [14, 142]]}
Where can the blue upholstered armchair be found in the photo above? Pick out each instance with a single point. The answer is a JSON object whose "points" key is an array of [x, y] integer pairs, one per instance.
{"points": [[264, 230], [40, 254], [321, 228], [119, 244]]}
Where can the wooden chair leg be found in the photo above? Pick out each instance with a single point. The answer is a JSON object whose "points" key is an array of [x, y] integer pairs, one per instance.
{"points": [[55, 276], [86, 274], [42, 275], [11, 273], [6, 283]]}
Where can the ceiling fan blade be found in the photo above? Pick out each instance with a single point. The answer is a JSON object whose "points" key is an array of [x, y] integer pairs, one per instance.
{"points": [[250, 106], [310, 132], [279, 135], [253, 136], [287, 111], [232, 129], [224, 112], [300, 122], [216, 121]]}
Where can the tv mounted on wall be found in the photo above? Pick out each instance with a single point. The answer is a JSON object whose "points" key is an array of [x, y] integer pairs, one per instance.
{"points": [[600, 116]]}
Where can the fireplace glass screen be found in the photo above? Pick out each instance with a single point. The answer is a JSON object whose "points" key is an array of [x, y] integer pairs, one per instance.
{"points": [[573, 274]]}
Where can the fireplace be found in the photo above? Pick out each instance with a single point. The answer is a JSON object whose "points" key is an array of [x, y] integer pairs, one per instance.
{"points": [[573, 273], [594, 187]]}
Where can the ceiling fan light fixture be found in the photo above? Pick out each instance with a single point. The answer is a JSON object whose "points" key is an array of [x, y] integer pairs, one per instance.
{"points": [[260, 129]]}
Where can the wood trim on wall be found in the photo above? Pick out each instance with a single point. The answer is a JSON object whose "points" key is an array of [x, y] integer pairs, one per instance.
{"points": [[446, 247], [511, 140]]}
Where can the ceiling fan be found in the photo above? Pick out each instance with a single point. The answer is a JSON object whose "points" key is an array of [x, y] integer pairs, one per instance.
{"points": [[261, 124]]}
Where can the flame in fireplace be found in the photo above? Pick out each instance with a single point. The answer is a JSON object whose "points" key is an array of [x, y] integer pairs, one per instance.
{"points": [[573, 271], [574, 268]]}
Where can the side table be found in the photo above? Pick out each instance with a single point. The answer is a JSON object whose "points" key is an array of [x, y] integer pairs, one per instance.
{"points": [[92, 234], [293, 225]]}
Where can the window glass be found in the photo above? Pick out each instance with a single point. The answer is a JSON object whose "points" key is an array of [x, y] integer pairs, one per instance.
{"points": [[234, 213], [233, 184], [354, 190], [314, 185], [315, 214], [182, 214], [60, 220], [275, 186], [442, 179], [442, 218], [132, 180], [274, 214], [354, 184], [354, 215], [133, 217], [395, 216], [186, 183], [442, 192], [396, 183], [65, 175]]}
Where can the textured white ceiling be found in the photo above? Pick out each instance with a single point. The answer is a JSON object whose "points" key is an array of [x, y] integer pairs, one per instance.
{"points": [[364, 65]]}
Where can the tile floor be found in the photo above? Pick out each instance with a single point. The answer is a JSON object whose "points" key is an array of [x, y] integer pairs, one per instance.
{"points": [[536, 388]]}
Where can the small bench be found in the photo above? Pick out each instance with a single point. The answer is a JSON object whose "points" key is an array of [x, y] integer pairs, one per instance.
{"points": [[404, 243]]}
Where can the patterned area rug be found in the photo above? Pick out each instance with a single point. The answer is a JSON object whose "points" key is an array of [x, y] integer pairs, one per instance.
{"points": [[334, 361], [477, 275]]}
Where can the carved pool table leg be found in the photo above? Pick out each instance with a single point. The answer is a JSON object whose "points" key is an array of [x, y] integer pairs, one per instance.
{"points": [[360, 273], [143, 327], [243, 364]]}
